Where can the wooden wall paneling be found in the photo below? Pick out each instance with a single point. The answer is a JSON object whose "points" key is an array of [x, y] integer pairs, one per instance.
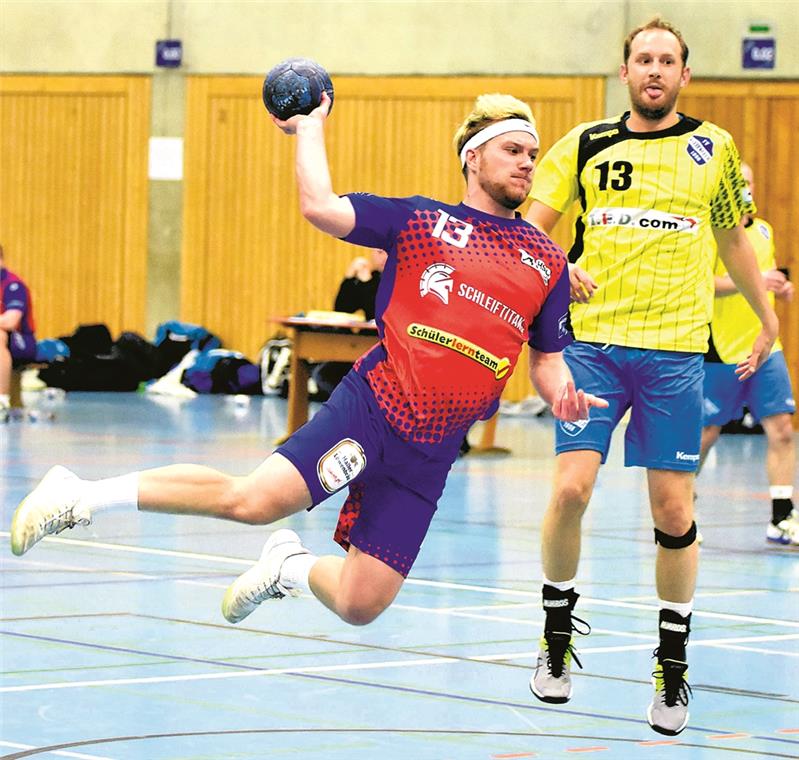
{"points": [[73, 196]]}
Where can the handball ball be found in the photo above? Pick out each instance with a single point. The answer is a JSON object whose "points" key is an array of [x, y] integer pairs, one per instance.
{"points": [[295, 86]]}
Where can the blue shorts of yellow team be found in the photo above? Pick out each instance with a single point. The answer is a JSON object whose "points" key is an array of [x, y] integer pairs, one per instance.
{"points": [[662, 390], [394, 486], [766, 393]]}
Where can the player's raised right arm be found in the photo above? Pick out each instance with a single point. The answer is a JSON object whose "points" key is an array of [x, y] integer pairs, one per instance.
{"points": [[318, 203]]}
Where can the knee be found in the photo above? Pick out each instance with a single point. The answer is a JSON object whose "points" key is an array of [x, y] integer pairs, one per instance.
{"points": [[780, 431], [571, 496], [242, 503], [357, 610], [674, 517]]}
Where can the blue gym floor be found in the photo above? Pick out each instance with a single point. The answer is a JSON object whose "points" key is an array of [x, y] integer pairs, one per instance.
{"points": [[114, 647]]}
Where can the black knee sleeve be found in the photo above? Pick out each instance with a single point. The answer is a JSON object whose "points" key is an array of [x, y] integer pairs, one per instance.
{"points": [[676, 542]]}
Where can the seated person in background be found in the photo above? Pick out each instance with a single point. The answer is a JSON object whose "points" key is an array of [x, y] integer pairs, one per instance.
{"points": [[358, 289], [357, 292], [17, 339]]}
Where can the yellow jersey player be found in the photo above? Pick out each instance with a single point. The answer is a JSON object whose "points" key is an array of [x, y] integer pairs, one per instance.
{"points": [[767, 394], [658, 193]]}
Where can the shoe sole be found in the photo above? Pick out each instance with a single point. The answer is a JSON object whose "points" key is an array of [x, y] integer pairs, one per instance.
{"points": [[550, 700], [660, 729]]}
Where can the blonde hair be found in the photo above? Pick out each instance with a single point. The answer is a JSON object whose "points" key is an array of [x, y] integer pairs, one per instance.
{"points": [[488, 109]]}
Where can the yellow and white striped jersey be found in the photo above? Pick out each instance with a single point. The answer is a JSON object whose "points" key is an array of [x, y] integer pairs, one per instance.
{"points": [[649, 202]]}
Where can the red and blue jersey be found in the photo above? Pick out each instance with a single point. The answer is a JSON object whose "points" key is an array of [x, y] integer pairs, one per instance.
{"points": [[14, 294], [461, 293]]}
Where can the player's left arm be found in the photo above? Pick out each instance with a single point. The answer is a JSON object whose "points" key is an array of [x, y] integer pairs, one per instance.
{"points": [[739, 259], [549, 334], [553, 381]]}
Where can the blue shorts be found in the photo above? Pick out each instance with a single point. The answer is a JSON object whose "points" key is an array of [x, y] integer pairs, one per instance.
{"points": [[22, 347], [394, 486], [663, 389], [766, 393]]}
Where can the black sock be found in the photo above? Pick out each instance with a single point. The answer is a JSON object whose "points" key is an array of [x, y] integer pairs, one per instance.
{"points": [[673, 629], [558, 606], [780, 509]]}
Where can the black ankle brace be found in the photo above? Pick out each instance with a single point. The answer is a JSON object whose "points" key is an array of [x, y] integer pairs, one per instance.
{"points": [[673, 630], [558, 606], [780, 509]]}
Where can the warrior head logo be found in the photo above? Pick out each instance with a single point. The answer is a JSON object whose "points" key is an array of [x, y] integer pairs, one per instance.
{"points": [[437, 279]]}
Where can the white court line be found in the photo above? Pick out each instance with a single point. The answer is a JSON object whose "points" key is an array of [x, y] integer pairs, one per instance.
{"points": [[698, 595], [228, 674], [418, 582], [59, 752], [354, 667]]}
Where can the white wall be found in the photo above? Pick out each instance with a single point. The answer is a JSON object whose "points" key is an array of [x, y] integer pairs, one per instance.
{"points": [[380, 37]]}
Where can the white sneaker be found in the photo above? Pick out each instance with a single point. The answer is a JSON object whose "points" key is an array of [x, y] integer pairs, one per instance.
{"points": [[785, 532], [262, 580], [50, 508]]}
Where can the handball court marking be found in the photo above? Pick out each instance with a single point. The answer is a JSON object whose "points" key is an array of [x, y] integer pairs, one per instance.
{"points": [[223, 559], [319, 672]]}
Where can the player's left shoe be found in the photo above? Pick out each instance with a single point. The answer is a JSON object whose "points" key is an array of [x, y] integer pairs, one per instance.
{"points": [[668, 712], [262, 581], [48, 509], [786, 532]]}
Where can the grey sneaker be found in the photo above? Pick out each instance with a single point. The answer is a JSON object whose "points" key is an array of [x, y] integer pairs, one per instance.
{"points": [[668, 713], [262, 580], [551, 682], [50, 508]]}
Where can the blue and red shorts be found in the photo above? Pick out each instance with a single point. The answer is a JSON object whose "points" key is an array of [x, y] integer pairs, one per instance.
{"points": [[394, 485]]}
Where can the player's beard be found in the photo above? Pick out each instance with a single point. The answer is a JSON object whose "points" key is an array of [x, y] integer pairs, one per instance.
{"points": [[653, 113], [505, 197]]}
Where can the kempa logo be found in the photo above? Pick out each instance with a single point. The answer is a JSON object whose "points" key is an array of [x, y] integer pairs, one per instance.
{"points": [[437, 279], [606, 133], [644, 219], [536, 264], [683, 457], [677, 627]]}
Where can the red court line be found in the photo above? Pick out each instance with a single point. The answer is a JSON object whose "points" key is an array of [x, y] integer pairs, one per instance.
{"points": [[729, 736], [516, 754], [658, 742], [587, 749], [788, 730]]}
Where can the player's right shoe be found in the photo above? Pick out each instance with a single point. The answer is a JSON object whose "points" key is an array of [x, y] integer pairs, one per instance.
{"points": [[551, 682], [262, 581], [786, 532], [49, 509]]}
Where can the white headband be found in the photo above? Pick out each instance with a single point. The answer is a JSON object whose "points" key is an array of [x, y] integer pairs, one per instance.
{"points": [[495, 129]]}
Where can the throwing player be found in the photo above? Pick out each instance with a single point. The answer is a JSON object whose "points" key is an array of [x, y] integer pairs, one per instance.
{"points": [[658, 192], [464, 287]]}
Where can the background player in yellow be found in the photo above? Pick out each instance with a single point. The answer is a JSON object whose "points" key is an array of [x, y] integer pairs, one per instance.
{"points": [[658, 193], [767, 394]]}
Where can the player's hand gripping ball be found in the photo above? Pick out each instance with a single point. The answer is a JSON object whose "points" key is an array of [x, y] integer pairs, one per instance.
{"points": [[295, 86]]}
